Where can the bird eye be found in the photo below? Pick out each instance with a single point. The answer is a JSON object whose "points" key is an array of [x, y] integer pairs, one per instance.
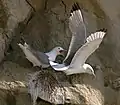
{"points": [[58, 48]]}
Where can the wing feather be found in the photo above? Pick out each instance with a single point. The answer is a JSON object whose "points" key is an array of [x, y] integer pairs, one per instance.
{"points": [[42, 57], [78, 29], [93, 42]]}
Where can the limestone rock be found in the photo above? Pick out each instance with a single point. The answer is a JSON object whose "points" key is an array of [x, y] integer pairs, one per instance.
{"points": [[110, 96], [12, 13], [83, 89]]}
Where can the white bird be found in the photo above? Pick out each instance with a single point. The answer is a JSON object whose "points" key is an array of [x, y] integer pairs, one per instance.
{"points": [[79, 51], [78, 64], [38, 58]]}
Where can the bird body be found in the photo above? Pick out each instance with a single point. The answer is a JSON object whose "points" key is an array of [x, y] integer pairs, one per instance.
{"points": [[78, 64], [39, 58], [80, 47]]}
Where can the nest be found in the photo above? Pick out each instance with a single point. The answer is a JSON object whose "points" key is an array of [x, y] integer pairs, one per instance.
{"points": [[45, 85]]}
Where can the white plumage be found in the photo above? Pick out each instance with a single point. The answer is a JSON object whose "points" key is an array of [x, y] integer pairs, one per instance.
{"points": [[77, 64]]}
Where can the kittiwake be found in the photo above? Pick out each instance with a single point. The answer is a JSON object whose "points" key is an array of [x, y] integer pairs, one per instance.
{"points": [[80, 47], [38, 58]]}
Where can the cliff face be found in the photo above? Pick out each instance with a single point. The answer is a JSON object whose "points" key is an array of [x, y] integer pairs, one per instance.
{"points": [[44, 24]]}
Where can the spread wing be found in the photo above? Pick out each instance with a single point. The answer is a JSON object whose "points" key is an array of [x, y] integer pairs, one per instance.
{"points": [[78, 29], [93, 42]]}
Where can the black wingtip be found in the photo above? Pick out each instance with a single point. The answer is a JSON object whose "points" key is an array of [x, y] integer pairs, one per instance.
{"points": [[103, 29], [75, 7]]}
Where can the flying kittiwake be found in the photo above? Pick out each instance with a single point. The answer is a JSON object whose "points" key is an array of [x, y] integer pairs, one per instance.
{"points": [[80, 47], [38, 58]]}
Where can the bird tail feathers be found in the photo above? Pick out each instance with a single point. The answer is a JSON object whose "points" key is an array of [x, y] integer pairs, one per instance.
{"points": [[21, 46], [26, 45]]}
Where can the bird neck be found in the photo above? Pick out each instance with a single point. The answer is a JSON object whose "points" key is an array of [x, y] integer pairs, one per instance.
{"points": [[52, 55]]}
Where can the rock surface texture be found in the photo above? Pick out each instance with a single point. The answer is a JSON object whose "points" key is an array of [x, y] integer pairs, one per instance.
{"points": [[44, 24]]}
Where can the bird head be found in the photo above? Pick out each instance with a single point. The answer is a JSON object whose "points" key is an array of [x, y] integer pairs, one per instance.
{"points": [[60, 51], [89, 69]]}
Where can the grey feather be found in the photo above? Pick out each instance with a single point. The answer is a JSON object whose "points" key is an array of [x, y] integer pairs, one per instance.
{"points": [[78, 29], [35, 57], [42, 57], [92, 44]]}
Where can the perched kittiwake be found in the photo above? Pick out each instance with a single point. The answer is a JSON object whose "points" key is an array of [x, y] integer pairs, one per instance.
{"points": [[39, 58], [80, 47]]}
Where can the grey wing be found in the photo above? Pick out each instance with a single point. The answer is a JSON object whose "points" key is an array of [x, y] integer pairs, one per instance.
{"points": [[93, 42], [42, 57], [78, 29]]}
